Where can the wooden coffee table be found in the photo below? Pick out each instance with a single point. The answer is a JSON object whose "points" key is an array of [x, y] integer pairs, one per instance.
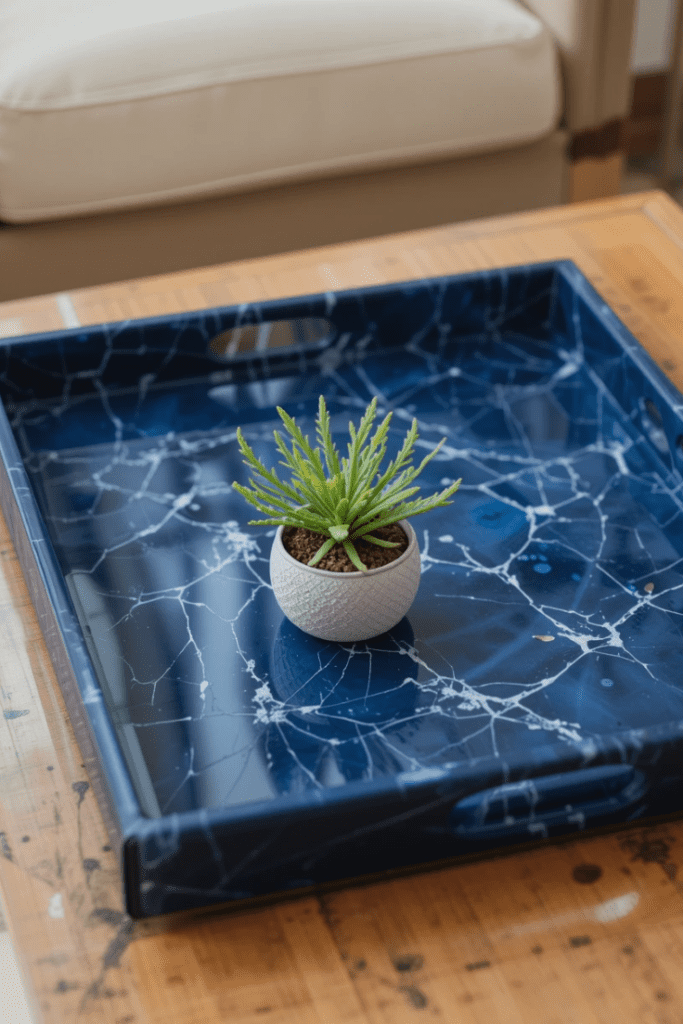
{"points": [[589, 930]]}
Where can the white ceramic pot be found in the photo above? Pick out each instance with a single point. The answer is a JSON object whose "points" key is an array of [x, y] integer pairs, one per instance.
{"points": [[345, 606]]}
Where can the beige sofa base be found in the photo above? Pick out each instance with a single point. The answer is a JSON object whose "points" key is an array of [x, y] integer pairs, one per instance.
{"points": [[62, 255]]}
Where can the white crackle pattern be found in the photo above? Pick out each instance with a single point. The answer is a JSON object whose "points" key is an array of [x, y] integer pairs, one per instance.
{"points": [[551, 595]]}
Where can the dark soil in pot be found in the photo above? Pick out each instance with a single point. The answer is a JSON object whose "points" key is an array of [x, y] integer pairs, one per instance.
{"points": [[303, 544]]}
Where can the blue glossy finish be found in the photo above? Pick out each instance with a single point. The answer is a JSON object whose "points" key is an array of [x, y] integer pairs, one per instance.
{"points": [[237, 755]]}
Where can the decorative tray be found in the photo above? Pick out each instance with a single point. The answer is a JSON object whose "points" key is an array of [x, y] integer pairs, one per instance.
{"points": [[535, 685]]}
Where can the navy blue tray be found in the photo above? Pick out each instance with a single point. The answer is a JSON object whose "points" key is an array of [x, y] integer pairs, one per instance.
{"points": [[535, 686]]}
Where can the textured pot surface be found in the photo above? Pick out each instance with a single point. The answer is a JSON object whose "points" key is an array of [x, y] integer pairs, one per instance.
{"points": [[345, 606]]}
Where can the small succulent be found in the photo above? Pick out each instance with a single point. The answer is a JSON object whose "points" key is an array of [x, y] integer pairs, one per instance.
{"points": [[342, 499]]}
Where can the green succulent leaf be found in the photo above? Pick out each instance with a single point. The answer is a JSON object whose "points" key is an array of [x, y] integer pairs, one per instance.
{"points": [[354, 556], [342, 510], [324, 435], [343, 499], [322, 551], [380, 542]]}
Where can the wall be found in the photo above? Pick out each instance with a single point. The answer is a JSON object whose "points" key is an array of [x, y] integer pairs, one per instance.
{"points": [[652, 36]]}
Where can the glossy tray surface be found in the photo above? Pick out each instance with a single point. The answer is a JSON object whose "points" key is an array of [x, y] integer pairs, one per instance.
{"points": [[545, 638]]}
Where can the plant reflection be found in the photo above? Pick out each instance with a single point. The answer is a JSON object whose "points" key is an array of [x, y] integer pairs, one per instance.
{"points": [[347, 719]]}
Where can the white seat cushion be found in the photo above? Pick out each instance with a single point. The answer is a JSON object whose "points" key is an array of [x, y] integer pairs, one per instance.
{"points": [[134, 102]]}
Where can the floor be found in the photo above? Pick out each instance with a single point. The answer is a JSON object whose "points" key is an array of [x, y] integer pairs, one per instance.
{"points": [[640, 175]]}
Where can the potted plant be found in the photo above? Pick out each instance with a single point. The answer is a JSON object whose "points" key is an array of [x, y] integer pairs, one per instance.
{"points": [[345, 563]]}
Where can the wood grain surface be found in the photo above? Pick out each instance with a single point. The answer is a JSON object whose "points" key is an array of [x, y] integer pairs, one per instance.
{"points": [[588, 930]]}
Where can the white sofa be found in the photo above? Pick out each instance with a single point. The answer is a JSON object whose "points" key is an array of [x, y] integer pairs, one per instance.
{"points": [[145, 136]]}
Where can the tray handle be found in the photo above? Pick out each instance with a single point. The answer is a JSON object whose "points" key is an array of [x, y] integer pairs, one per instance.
{"points": [[535, 807]]}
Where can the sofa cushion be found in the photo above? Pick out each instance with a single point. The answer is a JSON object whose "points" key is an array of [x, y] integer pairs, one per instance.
{"points": [[106, 106]]}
